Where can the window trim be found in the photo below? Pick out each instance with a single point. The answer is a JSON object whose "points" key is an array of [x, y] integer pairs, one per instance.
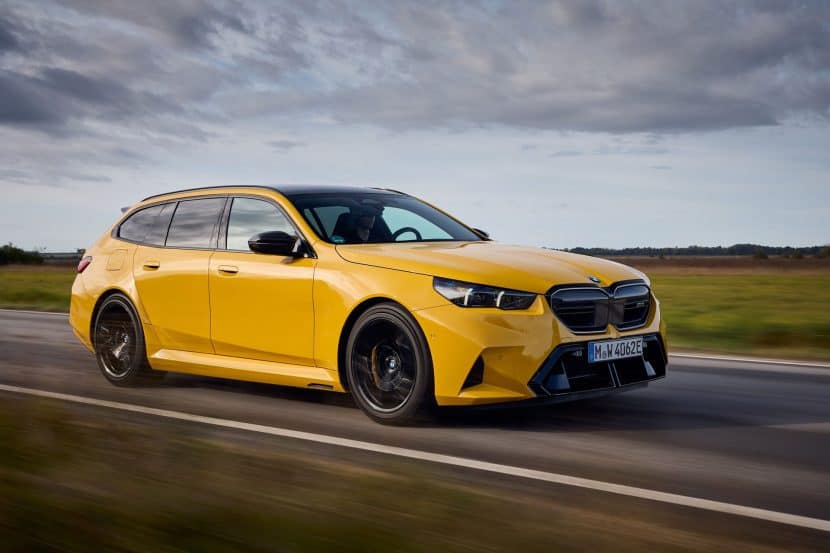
{"points": [[219, 239], [116, 231], [176, 201]]}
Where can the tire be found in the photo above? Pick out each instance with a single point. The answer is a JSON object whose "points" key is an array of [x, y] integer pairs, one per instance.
{"points": [[388, 365], [118, 339]]}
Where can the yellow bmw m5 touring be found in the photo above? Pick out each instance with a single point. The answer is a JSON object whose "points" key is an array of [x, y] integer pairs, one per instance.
{"points": [[359, 290]]}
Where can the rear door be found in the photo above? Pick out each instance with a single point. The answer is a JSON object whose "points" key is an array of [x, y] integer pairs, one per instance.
{"points": [[172, 277], [261, 305]]}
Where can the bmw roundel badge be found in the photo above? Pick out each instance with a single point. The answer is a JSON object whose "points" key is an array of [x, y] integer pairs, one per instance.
{"points": [[594, 279]]}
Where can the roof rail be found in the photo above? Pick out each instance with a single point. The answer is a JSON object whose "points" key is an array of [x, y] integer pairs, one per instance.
{"points": [[278, 189], [390, 190], [210, 188]]}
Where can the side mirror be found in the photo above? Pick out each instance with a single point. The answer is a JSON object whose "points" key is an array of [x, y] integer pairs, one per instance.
{"points": [[276, 242], [481, 233]]}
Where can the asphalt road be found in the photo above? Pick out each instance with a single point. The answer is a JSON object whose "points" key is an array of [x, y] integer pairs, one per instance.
{"points": [[755, 435]]}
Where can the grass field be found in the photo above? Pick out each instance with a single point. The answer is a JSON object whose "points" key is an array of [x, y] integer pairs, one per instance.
{"points": [[776, 315], [90, 479], [776, 307], [42, 288]]}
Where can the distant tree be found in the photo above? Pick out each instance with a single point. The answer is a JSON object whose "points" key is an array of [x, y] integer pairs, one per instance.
{"points": [[798, 255], [760, 254], [824, 253], [12, 254]]}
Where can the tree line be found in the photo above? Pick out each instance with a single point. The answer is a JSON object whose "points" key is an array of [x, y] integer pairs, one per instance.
{"points": [[737, 249], [11, 254]]}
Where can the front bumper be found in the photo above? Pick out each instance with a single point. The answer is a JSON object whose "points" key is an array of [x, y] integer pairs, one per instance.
{"points": [[566, 373], [488, 356]]}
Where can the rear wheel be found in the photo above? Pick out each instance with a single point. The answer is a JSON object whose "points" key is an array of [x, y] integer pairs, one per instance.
{"points": [[119, 343], [388, 365]]}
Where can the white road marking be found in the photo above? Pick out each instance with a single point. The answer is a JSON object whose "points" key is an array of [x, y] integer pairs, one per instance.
{"points": [[816, 427], [758, 360], [30, 312], [551, 477]]}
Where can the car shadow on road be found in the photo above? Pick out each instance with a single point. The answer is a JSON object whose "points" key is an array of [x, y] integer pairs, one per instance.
{"points": [[288, 393], [641, 410]]}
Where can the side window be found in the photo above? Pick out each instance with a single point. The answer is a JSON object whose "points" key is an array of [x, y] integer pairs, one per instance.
{"points": [[249, 217], [139, 224], [329, 215], [194, 222], [311, 219]]}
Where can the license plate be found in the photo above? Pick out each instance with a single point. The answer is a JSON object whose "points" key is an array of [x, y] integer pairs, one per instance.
{"points": [[610, 350]]}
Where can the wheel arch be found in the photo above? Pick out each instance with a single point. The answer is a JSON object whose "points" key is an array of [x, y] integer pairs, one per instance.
{"points": [[100, 301], [358, 310]]}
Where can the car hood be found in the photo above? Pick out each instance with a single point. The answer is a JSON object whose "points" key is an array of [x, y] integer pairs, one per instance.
{"points": [[516, 267]]}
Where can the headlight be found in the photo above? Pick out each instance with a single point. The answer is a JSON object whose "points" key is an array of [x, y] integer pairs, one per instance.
{"points": [[465, 294]]}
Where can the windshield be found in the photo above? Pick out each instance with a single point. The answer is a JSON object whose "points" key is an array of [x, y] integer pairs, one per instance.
{"points": [[377, 217]]}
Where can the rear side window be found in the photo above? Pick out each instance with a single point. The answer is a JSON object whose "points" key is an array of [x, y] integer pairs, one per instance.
{"points": [[250, 217], [158, 232], [139, 224], [194, 223]]}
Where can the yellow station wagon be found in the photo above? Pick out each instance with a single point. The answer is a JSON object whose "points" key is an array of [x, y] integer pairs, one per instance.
{"points": [[359, 290]]}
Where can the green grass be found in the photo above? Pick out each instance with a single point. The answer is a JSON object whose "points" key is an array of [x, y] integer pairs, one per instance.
{"points": [[42, 288], [768, 314], [90, 479]]}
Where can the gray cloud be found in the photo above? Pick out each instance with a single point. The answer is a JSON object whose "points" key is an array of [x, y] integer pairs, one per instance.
{"points": [[593, 65], [9, 35], [285, 144], [617, 148], [590, 66], [35, 177], [188, 23], [566, 153], [81, 87], [25, 102], [55, 96]]}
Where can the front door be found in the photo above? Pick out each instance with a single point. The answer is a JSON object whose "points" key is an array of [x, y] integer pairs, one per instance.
{"points": [[261, 305]]}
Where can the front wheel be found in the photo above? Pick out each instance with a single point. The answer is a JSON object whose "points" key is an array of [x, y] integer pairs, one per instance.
{"points": [[119, 343], [388, 365]]}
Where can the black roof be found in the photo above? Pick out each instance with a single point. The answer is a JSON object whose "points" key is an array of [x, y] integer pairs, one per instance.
{"points": [[289, 190]]}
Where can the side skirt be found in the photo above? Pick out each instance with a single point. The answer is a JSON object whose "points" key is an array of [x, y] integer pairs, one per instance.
{"points": [[238, 368]]}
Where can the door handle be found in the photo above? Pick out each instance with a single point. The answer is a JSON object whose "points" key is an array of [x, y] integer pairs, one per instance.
{"points": [[152, 265], [228, 269]]}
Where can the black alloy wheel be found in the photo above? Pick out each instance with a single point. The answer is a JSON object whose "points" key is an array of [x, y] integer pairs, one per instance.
{"points": [[118, 340], [389, 368]]}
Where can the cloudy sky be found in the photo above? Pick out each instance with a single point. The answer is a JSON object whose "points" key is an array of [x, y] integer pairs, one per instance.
{"points": [[593, 123]]}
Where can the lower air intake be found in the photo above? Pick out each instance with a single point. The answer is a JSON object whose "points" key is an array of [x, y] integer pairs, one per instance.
{"points": [[567, 371]]}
